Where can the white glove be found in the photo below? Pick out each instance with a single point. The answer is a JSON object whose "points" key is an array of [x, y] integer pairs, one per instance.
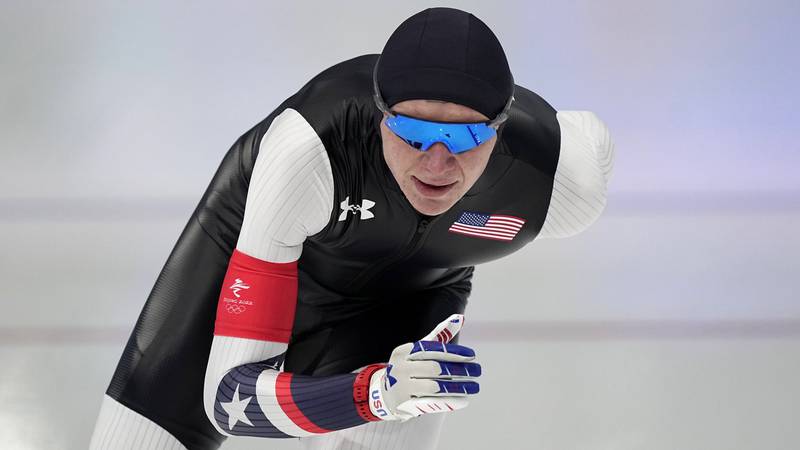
{"points": [[426, 376]]}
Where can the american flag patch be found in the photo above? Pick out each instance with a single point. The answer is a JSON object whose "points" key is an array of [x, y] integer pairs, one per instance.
{"points": [[487, 226]]}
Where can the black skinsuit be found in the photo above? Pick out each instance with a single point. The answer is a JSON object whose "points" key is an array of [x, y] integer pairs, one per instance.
{"points": [[365, 286]]}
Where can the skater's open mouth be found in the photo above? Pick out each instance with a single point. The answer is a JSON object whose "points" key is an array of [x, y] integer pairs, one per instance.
{"points": [[437, 189]]}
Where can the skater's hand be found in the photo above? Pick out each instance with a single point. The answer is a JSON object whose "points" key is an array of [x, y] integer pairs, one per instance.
{"points": [[427, 376]]}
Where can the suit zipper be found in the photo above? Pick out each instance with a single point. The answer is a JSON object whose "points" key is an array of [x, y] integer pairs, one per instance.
{"points": [[423, 226]]}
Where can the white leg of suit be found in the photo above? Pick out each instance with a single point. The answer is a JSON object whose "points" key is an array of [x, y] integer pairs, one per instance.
{"points": [[420, 433], [120, 428]]}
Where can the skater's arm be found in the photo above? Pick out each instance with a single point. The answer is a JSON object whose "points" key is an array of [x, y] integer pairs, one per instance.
{"points": [[584, 166], [290, 197]]}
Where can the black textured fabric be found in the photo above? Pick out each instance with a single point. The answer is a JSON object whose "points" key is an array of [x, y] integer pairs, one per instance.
{"points": [[365, 286], [445, 54]]}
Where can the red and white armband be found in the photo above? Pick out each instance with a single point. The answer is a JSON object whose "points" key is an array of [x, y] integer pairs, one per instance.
{"points": [[258, 299]]}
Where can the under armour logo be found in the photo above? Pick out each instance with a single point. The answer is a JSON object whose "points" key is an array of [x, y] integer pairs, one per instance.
{"points": [[237, 286], [363, 209], [390, 380]]}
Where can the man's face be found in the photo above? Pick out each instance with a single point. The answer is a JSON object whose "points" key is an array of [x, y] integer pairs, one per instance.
{"points": [[434, 180]]}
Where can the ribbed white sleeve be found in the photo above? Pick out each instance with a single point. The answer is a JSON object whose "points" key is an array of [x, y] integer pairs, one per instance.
{"points": [[290, 196], [584, 167], [120, 428]]}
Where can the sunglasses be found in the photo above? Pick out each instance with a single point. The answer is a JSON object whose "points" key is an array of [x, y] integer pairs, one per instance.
{"points": [[422, 134]]}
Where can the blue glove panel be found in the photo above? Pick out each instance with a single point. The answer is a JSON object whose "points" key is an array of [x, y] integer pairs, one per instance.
{"points": [[433, 346], [458, 387]]}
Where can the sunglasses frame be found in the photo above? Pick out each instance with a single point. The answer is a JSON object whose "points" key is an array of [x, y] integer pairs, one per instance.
{"points": [[477, 132]]}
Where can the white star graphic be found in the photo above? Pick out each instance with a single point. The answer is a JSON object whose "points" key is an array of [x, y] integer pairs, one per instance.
{"points": [[235, 409]]}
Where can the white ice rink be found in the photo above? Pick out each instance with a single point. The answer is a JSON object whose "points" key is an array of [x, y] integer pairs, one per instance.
{"points": [[676, 328]]}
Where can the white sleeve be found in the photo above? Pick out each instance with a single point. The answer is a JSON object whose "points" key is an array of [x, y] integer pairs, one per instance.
{"points": [[584, 167], [290, 197]]}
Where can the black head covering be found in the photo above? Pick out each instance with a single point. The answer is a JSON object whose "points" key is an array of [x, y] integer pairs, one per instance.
{"points": [[445, 54]]}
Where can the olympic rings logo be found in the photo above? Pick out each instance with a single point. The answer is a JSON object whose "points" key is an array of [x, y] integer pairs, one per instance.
{"points": [[235, 309]]}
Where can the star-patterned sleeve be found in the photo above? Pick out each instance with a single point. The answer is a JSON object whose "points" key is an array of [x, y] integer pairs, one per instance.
{"points": [[259, 400], [290, 197]]}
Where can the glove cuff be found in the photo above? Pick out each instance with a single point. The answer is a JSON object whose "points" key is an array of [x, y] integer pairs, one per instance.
{"points": [[361, 392]]}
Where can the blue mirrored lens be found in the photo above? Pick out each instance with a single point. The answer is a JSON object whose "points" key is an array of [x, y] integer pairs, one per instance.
{"points": [[421, 134]]}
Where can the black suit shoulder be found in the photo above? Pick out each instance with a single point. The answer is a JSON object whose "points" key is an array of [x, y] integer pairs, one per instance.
{"points": [[532, 133]]}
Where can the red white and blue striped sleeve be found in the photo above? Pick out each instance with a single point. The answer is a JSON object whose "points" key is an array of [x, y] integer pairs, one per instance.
{"points": [[290, 197]]}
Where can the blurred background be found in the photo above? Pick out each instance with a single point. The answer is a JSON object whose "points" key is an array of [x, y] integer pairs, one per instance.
{"points": [[673, 323]]}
